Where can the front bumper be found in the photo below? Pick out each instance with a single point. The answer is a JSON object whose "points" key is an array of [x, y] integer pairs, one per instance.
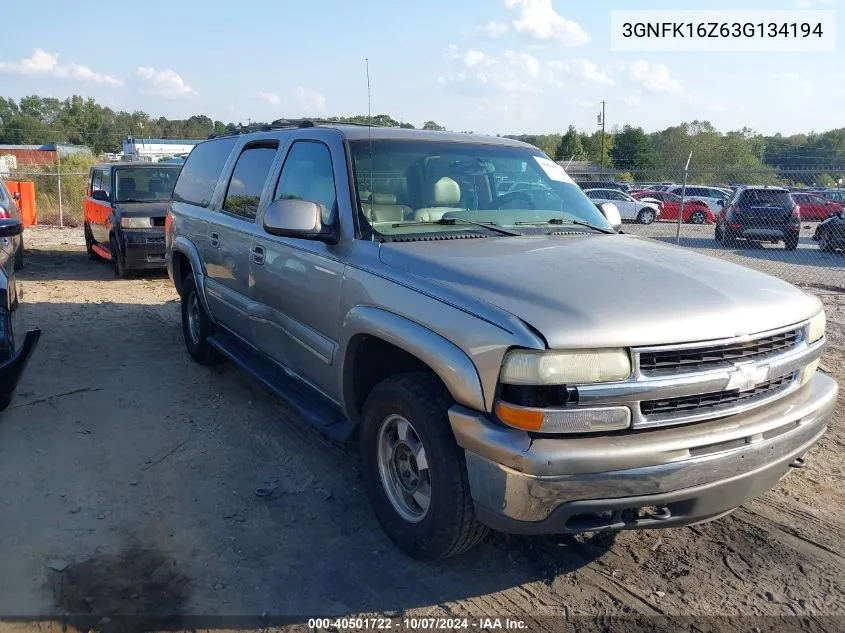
{"points": [[143, 249], [12, 369], [637, 480]]}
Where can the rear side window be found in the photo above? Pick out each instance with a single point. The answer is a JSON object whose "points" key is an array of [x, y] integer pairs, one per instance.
{"points": [[248, 178], [762, 197], [308, 175], [202, 169]]}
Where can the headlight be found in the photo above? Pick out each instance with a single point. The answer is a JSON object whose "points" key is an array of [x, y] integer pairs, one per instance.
{"points": [[529, 367], [136, 223], [815, 330]]}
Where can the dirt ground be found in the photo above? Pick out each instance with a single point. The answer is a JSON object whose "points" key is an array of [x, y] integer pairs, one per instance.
{"points": [[136, 482]]}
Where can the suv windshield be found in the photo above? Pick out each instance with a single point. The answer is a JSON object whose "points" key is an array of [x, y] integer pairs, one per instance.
{"points": [[145, 184], [411, 187]]}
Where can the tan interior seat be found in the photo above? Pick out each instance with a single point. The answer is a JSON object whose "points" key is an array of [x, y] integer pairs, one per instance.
{"points": [[384, 209], [447, 197]]}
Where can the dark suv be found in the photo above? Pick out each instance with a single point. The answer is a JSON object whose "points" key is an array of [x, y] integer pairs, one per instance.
{"points": [[759, 214]]}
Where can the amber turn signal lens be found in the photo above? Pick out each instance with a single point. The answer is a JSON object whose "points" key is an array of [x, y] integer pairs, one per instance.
{"points": [[519, 417]]}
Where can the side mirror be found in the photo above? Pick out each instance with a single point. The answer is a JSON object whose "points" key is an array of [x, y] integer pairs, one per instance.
{"points": [[296, 218], [10, 228], [611, 213], [100, 195], [720, 203], [16, 195]]}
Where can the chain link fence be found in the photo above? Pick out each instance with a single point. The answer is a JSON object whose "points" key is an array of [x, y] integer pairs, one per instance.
{"points": [[58, 195], [785, 223]]}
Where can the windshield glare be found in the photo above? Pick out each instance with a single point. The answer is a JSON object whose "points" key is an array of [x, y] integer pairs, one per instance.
{"points": [[145, 184], [405, 187]]}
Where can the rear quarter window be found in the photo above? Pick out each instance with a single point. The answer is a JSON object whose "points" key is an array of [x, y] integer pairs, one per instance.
{"points": [[202, 170]]}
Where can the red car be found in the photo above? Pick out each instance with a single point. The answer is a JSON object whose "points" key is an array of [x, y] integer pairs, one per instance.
{"points": [[815, 208], [695, 211]]}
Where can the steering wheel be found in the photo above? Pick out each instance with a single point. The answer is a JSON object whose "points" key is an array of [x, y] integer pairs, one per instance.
{"points": [[514, 195]]}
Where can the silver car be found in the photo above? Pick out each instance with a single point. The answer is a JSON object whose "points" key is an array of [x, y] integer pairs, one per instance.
{"points": [[503, 360]]}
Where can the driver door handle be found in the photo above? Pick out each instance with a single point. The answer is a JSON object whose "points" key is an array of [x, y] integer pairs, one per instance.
{"points": [[214, 239], [258, 255]]}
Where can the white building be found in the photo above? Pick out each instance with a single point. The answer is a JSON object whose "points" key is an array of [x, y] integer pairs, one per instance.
{"points": [[154, 149]]}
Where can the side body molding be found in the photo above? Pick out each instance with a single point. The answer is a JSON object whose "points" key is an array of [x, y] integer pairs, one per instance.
{"points": [[189, 250], [448, 361]]}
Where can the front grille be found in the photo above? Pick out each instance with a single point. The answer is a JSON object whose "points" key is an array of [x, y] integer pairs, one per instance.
{"points": [[702, 403], [158, 239], [713, 356]]}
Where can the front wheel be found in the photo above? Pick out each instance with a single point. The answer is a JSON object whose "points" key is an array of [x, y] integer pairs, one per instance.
{"points": [[791, 243], [414, 472], [646, 216], [698, 217], [824, 242], [118, 261], [19, 255]]}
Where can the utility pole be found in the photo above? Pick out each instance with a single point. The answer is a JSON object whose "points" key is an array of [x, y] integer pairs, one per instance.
{"points": [[601, 122]]}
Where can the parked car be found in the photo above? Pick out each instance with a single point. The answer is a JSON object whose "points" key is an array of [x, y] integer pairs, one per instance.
{"points": [[830, 234], [815, 208], [505, 361], [760, 214], [630, 208], [595, 184], [15, 350], [124, 214], [695, 211], [9, 210], [835, 195], [709, 195]]}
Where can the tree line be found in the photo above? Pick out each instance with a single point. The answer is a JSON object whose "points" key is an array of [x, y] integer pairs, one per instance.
{"points": [[627, 150]]}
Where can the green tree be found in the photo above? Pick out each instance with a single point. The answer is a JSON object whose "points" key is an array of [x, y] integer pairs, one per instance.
{"points": [[632, 150], [432, 125], [570, 146]]}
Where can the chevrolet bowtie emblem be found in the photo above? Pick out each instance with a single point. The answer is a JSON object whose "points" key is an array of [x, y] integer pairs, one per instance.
{"points": [[746, 376]]}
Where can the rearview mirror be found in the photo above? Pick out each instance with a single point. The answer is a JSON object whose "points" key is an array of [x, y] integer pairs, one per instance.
{"points": [[100, 195], [611, 213], [296, 218], [10, 228]]}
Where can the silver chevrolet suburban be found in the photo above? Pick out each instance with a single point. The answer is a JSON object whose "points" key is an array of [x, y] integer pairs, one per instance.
{"points": [[505, 360]]}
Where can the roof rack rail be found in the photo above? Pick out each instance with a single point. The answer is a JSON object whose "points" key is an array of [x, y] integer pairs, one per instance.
{"points": [[304, 123]]}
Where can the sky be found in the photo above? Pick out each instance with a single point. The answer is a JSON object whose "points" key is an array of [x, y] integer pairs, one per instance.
{"points": [[489, 66]]}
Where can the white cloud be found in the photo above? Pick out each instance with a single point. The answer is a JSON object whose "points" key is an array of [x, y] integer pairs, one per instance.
{"points": [[42, 63], [494, 29], [654, 78], [583, 70], [632, 100], [809, 4], [166, 83], [270, 97], [795, 81], [539, 20], [508, 72], [311, 101]]}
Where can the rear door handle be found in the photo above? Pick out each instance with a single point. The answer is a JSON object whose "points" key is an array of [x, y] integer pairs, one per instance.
{"points": [[214, 239], [258, 255]]}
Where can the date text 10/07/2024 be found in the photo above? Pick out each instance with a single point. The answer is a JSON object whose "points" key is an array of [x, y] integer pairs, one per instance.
{"points": [[416, 624]]}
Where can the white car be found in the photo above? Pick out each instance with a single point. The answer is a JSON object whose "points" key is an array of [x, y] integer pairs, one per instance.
{"points": [[629, 208], [709, 195]]}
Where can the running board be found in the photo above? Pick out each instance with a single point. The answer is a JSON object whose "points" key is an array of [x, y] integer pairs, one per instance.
{"points": [[304, 399], [102, 252]]}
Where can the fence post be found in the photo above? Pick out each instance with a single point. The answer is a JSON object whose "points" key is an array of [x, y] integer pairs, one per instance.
{"points": [[683, 196], [59, 177]]}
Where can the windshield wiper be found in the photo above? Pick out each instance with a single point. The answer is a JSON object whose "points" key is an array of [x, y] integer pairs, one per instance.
{"points": [[453, 221], [575, 222]]}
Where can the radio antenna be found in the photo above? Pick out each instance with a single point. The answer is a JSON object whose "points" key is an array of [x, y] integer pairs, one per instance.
{"points": [[369, 102]]}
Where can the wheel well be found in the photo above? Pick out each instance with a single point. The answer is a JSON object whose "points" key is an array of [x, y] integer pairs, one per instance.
{"points": [[181, 269], [369, 361]]}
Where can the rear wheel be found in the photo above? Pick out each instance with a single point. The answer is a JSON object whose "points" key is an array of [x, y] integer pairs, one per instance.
{"points": [[646, 216], [196, 325], [698, 217], [791, 243], [414, 472], [89, 242], [118, 261]]}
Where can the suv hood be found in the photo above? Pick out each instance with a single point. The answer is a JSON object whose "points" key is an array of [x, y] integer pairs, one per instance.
{"points": [[607, 290]]}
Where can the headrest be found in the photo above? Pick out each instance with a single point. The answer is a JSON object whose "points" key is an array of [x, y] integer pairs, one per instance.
{"points": [[446, 192], [384, 198]]}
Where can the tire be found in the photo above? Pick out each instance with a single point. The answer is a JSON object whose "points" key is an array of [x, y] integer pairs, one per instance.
{"points": [[698, 217], [117, 260], [445, 525], [719, 236], [197, 326], [89, 243], [728, 239], [19, 255], [824, 242], [790, 243], [646, 216]]}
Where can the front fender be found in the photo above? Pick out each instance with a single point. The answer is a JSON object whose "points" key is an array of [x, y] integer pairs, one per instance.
{"points": [[185, 246], [448, 361]]}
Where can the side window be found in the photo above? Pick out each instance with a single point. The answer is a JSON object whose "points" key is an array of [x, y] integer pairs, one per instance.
{"points": [[308, 175], [106, 181], [618, 196], [593, 195], [96, 180], [248, 178], [201, 171]]}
